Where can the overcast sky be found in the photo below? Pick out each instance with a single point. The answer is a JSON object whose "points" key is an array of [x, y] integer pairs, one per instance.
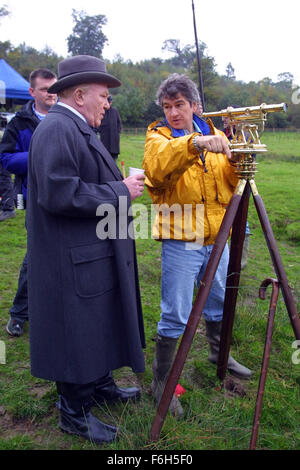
{"points": [[259, 37]]}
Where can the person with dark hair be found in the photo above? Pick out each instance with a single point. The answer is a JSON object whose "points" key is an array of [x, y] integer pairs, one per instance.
{"points": [[190, 179], [110, 130], [84, 299], [14, 151]]}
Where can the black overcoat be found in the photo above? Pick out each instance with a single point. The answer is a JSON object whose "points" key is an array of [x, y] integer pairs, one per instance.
{"points": [[110, 130], [84, 303]]}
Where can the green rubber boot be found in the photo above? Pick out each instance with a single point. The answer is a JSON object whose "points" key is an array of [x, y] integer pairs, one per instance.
{"points": [[213, 334], [164, 355]]}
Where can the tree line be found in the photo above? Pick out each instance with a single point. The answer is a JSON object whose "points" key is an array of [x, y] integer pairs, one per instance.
{"points": [[136, 99]]}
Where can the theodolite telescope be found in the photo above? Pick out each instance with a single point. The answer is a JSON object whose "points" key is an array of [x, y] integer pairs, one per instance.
{"points": [[249, 111], [246, 126]]}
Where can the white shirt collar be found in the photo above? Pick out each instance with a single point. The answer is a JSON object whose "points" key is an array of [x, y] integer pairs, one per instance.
{"points": [[39, 115], [73, 110]]}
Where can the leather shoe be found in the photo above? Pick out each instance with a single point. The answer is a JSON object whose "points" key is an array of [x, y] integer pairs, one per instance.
{"points": [[15, 327], [106, 390], [76, 418]]}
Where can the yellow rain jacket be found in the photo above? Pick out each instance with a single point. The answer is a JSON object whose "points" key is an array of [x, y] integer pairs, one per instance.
{"points": [[190, 198]]}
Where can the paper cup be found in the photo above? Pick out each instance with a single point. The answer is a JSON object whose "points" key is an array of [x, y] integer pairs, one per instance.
{"points": [[135, 171]]}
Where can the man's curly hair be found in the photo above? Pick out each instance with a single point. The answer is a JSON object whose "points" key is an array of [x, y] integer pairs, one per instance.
{"points": [[176, 84]]}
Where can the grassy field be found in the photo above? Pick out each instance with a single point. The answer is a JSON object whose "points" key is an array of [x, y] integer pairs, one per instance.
{"points": [[217, 415], [282, 144]]}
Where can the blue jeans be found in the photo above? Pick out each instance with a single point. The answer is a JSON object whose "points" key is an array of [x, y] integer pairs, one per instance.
{"points": [[182, 268], [19, 309], [247, 231]]}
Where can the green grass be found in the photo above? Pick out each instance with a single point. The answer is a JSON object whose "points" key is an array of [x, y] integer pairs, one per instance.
{"points": [[283, 144], [217, 416]]}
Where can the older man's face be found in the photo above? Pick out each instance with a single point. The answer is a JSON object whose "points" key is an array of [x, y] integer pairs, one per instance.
{"points": [[95, 103]]}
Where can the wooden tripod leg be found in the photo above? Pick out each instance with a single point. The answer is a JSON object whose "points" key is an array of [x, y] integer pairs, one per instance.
{"points": [[232, 282], [276, 260], [196, 312]]}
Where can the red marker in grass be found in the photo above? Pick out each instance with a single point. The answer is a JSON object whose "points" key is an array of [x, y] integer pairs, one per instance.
{"points": [[123, 169], [179, 390]]}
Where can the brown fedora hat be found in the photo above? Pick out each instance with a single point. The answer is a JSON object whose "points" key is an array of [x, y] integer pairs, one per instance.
{"points": [[82, 69]]}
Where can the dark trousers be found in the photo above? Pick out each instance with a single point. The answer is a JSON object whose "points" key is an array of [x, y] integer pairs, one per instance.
{"points": [[19, 309], [78, 393], [82, 393], [6, 190]]}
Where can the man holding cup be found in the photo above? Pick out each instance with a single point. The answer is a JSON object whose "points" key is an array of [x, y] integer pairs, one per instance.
{"points": [[84, 299]]}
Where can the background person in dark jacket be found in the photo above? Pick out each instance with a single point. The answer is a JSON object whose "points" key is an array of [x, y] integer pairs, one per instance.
{"points": [[14, 151], [110, 130], [84, 300], [7, 206]]}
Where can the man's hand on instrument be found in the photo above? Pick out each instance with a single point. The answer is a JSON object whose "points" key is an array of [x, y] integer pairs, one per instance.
{"points": [[135, 185], [213, 143]]}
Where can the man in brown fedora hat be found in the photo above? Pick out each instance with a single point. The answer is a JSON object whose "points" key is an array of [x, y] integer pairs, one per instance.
{"points": [[84, 300]]}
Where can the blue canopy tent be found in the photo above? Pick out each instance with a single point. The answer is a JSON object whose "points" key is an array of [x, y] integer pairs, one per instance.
{"points": [[12, 85]]}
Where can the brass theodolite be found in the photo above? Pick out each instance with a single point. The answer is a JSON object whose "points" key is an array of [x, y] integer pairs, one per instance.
{"points": [[247, 125]]}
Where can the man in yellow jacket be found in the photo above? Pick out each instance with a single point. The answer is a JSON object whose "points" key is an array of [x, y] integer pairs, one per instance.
{"points": [[190, 178]]}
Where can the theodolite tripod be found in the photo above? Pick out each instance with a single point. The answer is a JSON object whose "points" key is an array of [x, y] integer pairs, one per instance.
{"points": [[235, 218]]}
